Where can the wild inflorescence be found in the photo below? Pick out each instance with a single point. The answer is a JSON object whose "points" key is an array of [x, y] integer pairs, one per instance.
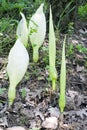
{"points": [[18, 59]]}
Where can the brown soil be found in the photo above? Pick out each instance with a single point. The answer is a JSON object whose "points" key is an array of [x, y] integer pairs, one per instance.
{"points": [[35, 102]]}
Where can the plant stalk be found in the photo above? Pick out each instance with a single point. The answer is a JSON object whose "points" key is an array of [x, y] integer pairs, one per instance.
{"points": [[35, 54]]}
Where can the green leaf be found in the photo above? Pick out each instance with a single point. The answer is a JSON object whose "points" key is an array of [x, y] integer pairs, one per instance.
{"points": [[62, 101], [52, 51]]}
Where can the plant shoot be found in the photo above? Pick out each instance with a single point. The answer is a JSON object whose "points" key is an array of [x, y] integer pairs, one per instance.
{"points": [[52, 52], [37, 31], [62, 101], [22, 31], [18, 61]]}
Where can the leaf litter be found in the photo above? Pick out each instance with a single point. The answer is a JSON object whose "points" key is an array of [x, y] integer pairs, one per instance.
{"points": [[37, 110]]}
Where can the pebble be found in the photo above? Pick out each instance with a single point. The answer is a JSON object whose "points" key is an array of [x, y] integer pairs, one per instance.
{"points": [[50, 123], [1, 129]]}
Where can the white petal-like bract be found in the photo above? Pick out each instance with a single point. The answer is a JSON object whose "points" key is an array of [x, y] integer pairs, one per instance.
{"points": [[22, 30], [37, 27], [18, 61], [37, 31]]}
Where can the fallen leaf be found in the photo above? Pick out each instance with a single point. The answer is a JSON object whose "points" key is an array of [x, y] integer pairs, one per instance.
{"points": [[3, 122], [54, 111], [80, 68], [82, 113], [38, 113], [75, 42], [82, 77]]}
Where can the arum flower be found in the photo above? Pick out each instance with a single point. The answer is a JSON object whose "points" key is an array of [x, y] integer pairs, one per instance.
{"points": [[22, 30], [52, 52], [62, 101], [37, 30], [18, 60]]}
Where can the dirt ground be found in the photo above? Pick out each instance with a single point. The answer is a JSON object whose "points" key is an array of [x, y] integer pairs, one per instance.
{"points": [[35, 107]]}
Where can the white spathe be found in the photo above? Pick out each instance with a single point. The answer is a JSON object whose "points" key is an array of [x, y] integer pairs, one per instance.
{"points": [[37, 26], [22, 30], [18, 61]]}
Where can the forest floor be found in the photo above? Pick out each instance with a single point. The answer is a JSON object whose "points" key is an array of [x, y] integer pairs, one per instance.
{"points": [[35, 107]]}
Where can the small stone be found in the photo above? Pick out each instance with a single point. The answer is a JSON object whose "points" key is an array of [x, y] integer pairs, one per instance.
{"points": [[1, 129], [50, 123], [16, 128]]}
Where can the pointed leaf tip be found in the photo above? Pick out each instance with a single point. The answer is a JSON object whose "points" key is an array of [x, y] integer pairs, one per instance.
{"points": [[42, 5], [22, 15], [40, 9], [22, 30]]}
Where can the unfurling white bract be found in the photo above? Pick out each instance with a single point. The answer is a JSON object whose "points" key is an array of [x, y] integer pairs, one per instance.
{"points": [[22, 30], [18, 61], [37, 30]]}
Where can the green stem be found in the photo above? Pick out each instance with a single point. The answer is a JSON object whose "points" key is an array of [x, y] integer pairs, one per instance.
{"points": [[53, 85], [35, 54], [62, 102], [11, 94]]}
